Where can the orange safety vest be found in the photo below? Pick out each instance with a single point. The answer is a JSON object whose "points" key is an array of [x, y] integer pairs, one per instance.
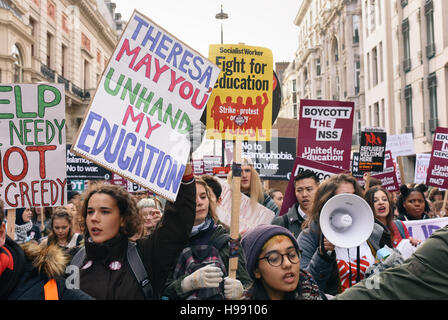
{"points": [[51, 290]]}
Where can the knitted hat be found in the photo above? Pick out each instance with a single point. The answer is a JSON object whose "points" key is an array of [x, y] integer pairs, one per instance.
{"points": [[254, 240]]}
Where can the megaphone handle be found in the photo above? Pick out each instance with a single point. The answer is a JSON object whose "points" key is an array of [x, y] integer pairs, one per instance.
{"points": [[358, 265]]}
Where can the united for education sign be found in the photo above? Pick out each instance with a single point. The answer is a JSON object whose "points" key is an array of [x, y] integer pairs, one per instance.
{"points": [[151, 92]]}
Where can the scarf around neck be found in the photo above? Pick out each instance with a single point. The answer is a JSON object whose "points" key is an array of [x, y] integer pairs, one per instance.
{"points": [[200, 227], [21, 232]]}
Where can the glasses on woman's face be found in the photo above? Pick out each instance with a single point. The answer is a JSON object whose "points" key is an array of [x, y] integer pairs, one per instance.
{"points": [[275, 258]]}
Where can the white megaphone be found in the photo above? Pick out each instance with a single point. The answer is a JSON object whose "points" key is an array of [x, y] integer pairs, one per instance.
{"points": [[346, 220]]}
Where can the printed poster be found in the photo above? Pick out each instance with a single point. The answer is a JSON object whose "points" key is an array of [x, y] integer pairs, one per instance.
{"points": [[325, 132], [152, 91], [240, 107], [438, 165]]}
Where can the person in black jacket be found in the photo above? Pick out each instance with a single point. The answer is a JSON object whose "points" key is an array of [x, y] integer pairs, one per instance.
{"points": [[32, 271], [111, 218], [305, 186]]}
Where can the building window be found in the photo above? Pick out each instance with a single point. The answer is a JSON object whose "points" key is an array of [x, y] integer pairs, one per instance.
{"points": [[432, 86], [33, 25], [376, 114], [372, 15], [355, 29], [49, 49], [64, 61], [51, 10], [409, 113], [318, 69], [368, 70], [381, 63], [375, 66], [18, 64], [406, 46], [86, 74], [404, 3], [357, 76], [294, 85], [430, 41]]}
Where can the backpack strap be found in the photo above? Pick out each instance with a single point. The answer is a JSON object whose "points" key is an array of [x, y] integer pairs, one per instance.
{"points": [[79, 257], [138, 268], [135, 262], [399, 225]]}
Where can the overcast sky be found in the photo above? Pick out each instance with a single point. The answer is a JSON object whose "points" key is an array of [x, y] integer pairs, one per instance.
{"points": [[263, 23]]}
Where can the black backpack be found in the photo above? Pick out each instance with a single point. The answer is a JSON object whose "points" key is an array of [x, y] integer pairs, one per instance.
{"points": [[135, 262], [195, 257]]}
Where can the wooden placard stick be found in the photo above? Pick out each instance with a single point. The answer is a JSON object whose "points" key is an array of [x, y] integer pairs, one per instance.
{"points": [[236, 201], [11, 229], [367, 183], [400, 167], [42, 218]]}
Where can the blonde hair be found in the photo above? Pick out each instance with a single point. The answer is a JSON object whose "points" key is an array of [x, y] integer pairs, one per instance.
{"points": [[273, 240], [256, 192]]}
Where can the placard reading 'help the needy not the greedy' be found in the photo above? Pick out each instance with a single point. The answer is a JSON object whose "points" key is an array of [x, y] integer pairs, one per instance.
{"points": [[240, 107], [325, 132], [151, 92], [437, 175], [32, 145]]}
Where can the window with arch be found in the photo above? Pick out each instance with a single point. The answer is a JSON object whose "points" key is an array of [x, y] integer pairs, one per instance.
{"points": [[18, 64]]}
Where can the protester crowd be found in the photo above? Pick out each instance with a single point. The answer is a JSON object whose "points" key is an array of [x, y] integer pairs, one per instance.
{"points": [[107, 243]]}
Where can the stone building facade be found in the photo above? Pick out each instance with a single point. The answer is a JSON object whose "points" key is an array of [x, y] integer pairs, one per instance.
{"points": [[65, 41]]}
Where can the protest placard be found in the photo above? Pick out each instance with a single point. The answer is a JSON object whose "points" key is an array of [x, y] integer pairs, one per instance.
{"points": [[437, 175], [250, 215], [198, 167], [371, 150], [240, 107], [32, 131], [273, 159], [423, 229], [321, 170], [151, 92], [421, 167], [211, 162], [79, 168], [401, 145], [325, 132]]}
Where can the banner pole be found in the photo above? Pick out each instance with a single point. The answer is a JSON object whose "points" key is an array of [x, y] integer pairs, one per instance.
{"points": [[235, 218], [11, 229]]}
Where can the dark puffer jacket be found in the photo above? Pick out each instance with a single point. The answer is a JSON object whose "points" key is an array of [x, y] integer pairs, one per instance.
{"points": [[30, 268]]}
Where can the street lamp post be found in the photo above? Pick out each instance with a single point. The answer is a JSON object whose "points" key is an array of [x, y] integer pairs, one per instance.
{"points": [[222, 16]]}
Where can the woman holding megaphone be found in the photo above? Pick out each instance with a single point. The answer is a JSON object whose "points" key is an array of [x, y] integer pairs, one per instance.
{"points": [[337, 267]]}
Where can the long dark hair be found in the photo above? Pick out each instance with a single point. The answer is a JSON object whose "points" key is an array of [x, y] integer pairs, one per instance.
{"points": [[369, 197]]}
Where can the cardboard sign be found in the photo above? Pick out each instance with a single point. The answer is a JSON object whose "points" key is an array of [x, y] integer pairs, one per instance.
{"points": [[401, 145], [325, 132], [151, 92], [32, 145], [198, 167], [321, 170], [240, 107], [250, 216], [273, 159], [438, 165], [371, 150]]}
